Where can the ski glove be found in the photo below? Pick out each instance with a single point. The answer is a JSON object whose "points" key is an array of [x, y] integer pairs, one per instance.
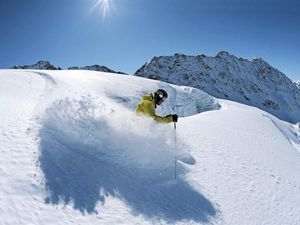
{"points": [[175, 117]]}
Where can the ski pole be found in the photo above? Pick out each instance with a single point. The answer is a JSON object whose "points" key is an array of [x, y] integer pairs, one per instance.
{"points": [[175, 159]]}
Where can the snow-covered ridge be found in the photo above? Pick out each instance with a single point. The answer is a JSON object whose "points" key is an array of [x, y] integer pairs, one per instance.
{"points": [[254, 83], [297, 83], [46, 65]]}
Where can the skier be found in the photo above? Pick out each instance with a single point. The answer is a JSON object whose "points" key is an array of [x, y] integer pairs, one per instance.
{"points": [[150, 102]]}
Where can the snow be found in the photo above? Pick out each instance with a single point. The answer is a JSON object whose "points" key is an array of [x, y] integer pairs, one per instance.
{"points": [[74, 152], [297, 83]]}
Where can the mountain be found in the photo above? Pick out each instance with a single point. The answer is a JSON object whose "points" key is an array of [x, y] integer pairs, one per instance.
{"points": [[225, 76], [297, 83], [96, 67], [74, 152], [46, 65], [40, 65]]}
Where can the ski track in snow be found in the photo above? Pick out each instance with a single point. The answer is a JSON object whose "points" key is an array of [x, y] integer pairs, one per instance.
{"points": [[47, 77]]}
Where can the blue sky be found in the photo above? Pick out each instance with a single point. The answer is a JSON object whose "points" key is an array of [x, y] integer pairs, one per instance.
{"points": [[74, 32]]}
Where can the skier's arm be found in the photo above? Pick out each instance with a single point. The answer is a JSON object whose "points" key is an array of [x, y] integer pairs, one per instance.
{"points": [[149, 109]]}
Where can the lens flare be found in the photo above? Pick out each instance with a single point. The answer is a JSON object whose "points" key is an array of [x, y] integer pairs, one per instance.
{"points": [[103, 6]]}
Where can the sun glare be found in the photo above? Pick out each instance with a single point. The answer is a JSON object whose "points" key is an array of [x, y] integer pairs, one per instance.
{"points": [[103, 6]]}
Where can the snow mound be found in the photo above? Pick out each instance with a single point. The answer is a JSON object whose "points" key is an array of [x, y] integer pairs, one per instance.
{"points": [[191, 101], [184, 101]]}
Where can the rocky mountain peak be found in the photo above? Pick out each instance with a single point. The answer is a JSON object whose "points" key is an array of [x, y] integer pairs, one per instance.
{"points": [[95, 67], [40, 65]]}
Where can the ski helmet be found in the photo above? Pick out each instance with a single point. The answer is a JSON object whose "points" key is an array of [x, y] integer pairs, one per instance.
{"points": [[160, 96]]}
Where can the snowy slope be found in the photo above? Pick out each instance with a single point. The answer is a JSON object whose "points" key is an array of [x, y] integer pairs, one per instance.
{"points": [[225, 76], [73, 152]]}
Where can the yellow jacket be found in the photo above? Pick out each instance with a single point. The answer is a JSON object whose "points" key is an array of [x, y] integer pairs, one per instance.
{"points": [[147, 107]]}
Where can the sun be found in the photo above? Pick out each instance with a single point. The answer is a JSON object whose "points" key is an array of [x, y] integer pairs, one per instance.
{"points": [[103, 6]]}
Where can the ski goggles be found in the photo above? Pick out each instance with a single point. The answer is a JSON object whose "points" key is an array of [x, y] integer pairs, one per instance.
{"points": [[162, 97]]}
